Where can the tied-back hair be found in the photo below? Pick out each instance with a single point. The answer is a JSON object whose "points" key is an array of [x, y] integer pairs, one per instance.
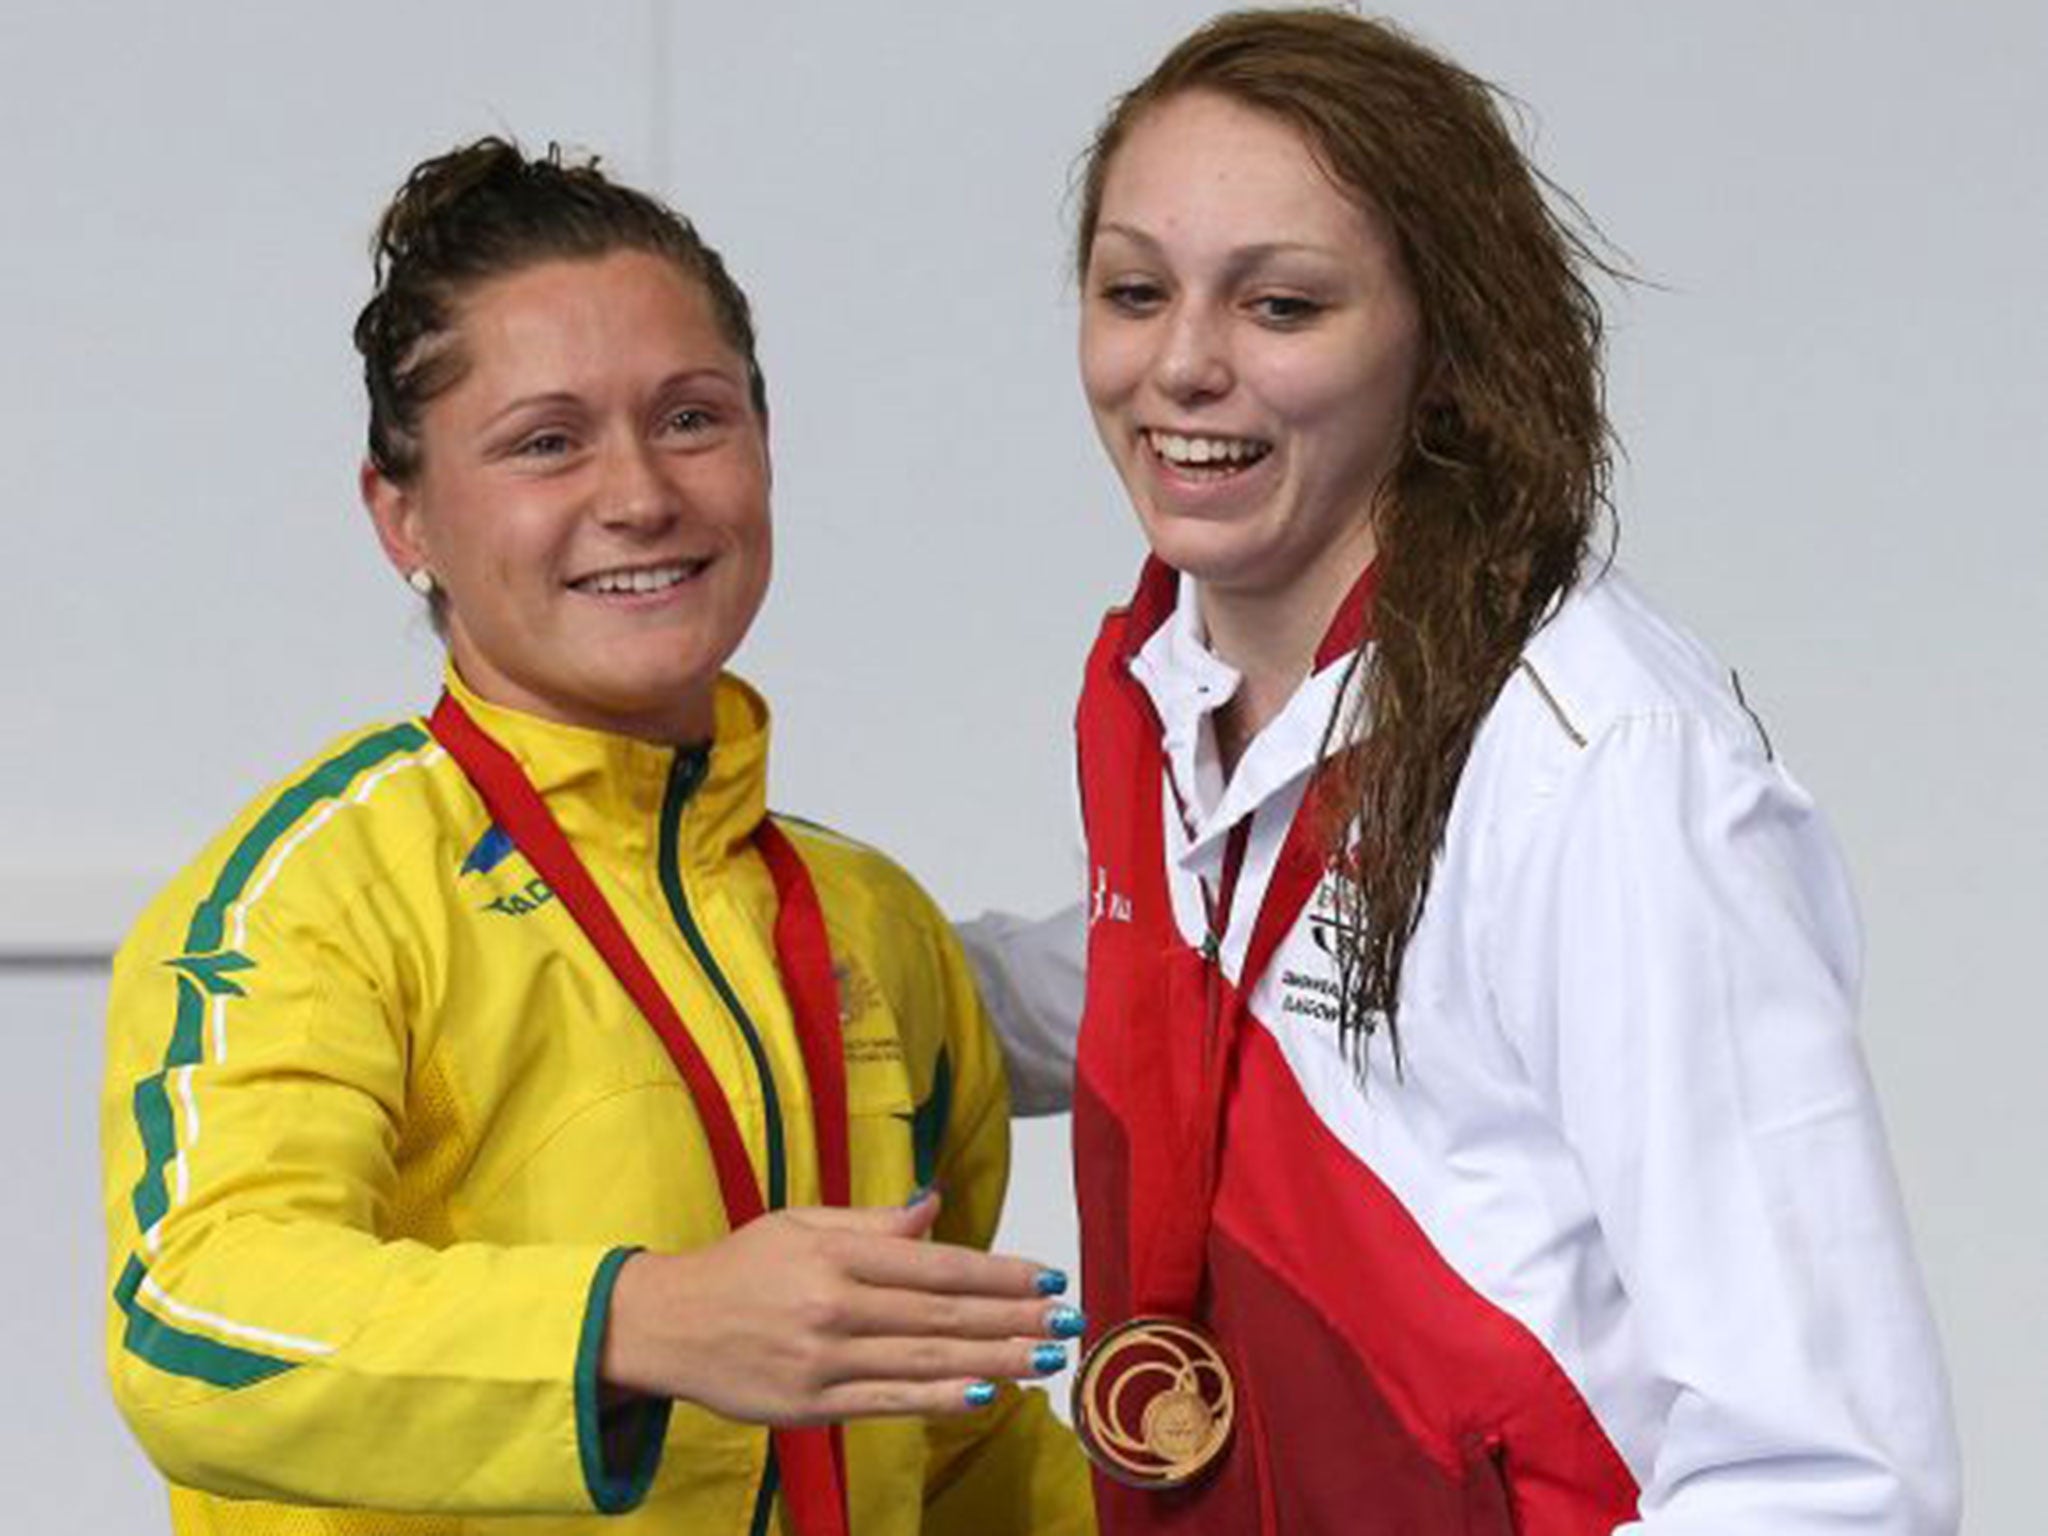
{"points": [[1487, 517], [486, 210]]}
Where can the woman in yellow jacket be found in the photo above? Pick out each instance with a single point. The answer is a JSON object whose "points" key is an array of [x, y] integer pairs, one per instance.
{"points": [[506, 1117]]}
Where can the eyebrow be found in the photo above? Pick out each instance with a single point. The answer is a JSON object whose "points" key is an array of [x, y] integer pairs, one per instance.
{"points": [[1241, 257], [555, 398], [548, 400]]}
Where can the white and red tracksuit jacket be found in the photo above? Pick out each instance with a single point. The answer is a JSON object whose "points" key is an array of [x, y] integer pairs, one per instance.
{"points": [[1618, 1247]]}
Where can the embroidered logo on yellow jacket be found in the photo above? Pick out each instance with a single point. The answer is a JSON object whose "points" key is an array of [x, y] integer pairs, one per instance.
{"points": [[380, 1127]]}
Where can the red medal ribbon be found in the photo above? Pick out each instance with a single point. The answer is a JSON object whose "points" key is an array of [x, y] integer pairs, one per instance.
{"points": [[1171, 1251], [812, 1459], [1154, 1397]]}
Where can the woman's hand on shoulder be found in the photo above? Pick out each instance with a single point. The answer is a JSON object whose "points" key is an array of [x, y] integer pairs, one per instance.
{"points": [[814, 1314]]}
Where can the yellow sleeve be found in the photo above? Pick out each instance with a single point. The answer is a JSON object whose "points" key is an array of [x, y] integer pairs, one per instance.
{"points": [[265, 1339], [1011, 1467]]}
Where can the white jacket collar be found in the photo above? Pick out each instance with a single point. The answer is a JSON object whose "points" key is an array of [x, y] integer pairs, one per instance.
{"points": [[1187, 683]]}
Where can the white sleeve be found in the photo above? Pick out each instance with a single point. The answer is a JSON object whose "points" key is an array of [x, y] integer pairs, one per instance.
{"points": [[1679, 967], [1030, 973]]}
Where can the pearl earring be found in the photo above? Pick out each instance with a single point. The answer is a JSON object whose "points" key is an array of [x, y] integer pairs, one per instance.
{"points": [[421, 580]]}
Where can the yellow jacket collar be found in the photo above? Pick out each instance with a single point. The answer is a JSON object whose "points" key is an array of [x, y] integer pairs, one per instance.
{"points": [[613, 789]]}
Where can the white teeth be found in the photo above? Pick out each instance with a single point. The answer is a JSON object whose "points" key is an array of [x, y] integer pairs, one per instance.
{"points": [[1176, 449], [657, 579]]}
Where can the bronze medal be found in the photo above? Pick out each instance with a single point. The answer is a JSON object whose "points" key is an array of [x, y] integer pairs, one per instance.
{"points": [[1154, 1403]]}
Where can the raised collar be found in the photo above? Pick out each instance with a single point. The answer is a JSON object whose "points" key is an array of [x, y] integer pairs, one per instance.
{"points": [[1168, 654], [612, 791]]}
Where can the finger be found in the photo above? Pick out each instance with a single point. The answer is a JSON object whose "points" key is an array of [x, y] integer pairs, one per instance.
{"points": [[876, 1311], [912, 1219], [944, 1268], [898, 1399], [929, 1359], [880, 1245]]}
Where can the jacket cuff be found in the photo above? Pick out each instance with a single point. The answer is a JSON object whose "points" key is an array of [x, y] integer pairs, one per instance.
{"points": [[620, 1444]]}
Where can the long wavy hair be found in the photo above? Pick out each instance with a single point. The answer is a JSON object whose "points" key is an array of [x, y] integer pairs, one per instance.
{"points": [[1491, 509]]}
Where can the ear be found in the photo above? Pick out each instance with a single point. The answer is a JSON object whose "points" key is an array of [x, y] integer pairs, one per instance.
{"points": [[760, 415], [394, 511], [1433, 381]]}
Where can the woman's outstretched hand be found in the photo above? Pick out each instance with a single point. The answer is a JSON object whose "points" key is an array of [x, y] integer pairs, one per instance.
{"points": [[815, 1314]]}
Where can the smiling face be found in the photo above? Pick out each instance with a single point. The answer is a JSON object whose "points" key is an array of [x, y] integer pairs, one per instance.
{"points": [[1249, 348], [591, 498]]}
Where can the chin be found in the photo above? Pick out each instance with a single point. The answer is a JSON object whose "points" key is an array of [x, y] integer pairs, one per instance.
{"points": [[668, 704], [1217, 554]]}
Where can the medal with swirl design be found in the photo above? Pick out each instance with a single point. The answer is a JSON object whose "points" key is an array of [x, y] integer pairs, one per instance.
{"points": [[1154, 1403]]}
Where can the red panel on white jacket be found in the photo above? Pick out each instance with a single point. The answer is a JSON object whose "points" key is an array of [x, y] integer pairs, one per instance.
{"points": [[1620, 1243]]}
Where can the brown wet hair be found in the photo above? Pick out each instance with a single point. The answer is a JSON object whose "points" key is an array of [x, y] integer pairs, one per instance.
{"points": [[1489, 514]]}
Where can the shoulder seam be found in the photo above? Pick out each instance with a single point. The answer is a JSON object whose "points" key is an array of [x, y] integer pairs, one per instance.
{"points": [[822, 833], [348, 775], [1741, 698], [1564, 721]]}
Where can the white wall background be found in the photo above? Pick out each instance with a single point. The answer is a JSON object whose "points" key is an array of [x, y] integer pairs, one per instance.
{"points": [[1833, 404]]}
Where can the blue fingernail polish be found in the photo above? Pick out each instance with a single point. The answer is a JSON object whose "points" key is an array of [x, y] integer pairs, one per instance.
{"points": [[981, 1394], [1051, 1282], [918, 1196], [1047, 1358], [1065, 1322]]}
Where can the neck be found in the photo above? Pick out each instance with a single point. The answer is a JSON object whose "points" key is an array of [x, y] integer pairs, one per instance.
{"points": [[1271, 637]]}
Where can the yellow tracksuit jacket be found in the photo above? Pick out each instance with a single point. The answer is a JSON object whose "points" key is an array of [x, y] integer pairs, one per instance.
{"points": [[379, 1128]]}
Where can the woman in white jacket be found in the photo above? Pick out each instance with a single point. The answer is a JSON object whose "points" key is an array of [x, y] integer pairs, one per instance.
{"points": [[1470, 1133]]}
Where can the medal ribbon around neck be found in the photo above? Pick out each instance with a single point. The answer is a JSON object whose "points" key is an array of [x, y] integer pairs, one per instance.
{"points": [[1154, 1398], [812, 1459]]}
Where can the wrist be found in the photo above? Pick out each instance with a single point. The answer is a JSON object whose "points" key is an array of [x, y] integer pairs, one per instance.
{"points": [[642, 1354]]}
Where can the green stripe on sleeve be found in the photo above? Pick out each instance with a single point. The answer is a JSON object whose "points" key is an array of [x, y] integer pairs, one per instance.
{"points": [[159, 1145], [326, 782], [188, 1034], [202, 971], [153, 1106], [178, 1353]]}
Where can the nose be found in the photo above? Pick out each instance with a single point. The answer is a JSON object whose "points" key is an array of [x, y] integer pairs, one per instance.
{"points": [[636, 494], [1192, 364]]}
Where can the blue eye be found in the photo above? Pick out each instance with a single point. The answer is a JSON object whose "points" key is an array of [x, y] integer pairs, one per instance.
{"points": [[544, 445], [1285, 309], [1133, 296]]}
